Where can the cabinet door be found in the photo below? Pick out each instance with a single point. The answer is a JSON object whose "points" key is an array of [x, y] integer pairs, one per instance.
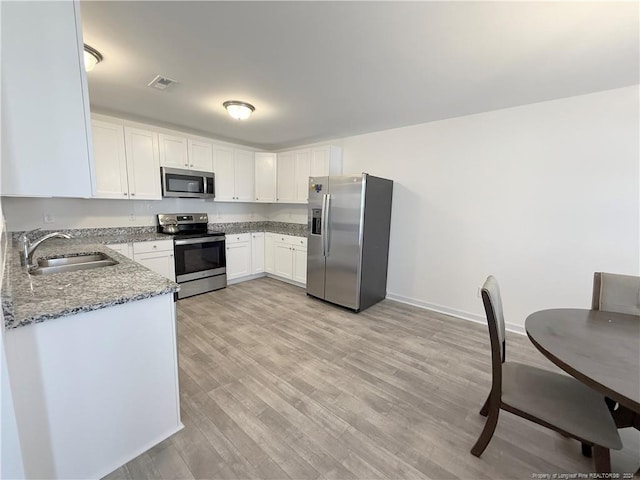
{"points": [[269, 252], [320, 157], [109, 160], [299, 264], [238, 260], [45, 105], [244, 164], [257, 252], [160, 262], [143, 167], [283, 260], [286, 187], [265, 177], [224, 174], [303, 162], [200, 156], [173, 151]]}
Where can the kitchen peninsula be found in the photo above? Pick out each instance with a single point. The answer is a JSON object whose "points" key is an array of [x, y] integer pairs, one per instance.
{"points": [[93, 361]]}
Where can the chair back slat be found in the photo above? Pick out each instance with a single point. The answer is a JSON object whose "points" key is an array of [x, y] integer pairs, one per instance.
{"points": [[616, 293]]}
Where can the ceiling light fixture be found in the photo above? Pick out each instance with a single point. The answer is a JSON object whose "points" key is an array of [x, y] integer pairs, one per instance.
{"points": [[92, 57], [239, 110]]}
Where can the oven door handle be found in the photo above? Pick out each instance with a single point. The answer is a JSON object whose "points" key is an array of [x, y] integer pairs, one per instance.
{"points": [[193, 241]]}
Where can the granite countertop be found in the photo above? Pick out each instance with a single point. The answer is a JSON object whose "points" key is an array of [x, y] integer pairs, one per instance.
{"points": [[28, 299]]}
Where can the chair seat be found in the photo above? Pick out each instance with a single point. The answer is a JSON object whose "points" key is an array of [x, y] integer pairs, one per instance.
{"points": [[561, 401]]}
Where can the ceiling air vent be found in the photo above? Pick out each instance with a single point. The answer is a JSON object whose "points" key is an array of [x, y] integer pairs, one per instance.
{"points": [[161, 83]]}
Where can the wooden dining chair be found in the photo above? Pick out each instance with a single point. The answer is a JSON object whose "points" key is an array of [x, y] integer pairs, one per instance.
{"points": [[613, 292], [553, 400]]}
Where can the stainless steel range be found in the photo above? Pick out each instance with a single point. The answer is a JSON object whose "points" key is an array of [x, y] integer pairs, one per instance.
{"points": [[200, 256]]}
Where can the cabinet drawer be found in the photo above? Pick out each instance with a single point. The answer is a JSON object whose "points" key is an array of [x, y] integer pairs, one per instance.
{"points": [[156, 246], [291, 240], [298, 241], [238, 238]]}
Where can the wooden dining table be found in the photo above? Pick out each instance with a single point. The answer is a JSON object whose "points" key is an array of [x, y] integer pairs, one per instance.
{"points": [[599, 348]]}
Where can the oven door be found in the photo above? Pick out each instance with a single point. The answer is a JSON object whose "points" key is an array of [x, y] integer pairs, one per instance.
{"points": [[199, 258]]}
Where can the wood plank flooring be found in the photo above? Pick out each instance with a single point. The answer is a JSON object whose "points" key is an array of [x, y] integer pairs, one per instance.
{"points": [[277, 385]]}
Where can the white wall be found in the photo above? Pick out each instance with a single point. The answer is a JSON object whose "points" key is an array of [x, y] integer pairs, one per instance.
{"points": [[541, 196]]}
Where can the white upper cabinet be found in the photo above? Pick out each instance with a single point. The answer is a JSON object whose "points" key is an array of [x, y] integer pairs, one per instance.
{"points": [[295, 167], [183, 152], [286, 186], [234, 174], [126, 162], [224, 174], [173, 151], [303, 164], [45, 104], [143, 166], [244, 162], [110, 161], [265, 177], [200, 155], [325, 161]]}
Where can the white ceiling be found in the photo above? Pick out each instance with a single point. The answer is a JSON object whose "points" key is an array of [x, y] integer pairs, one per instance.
{"points": [[322, 70]]}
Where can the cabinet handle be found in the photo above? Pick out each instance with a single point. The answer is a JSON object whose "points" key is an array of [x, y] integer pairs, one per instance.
{"points": [[155, 246], [133, 194], [125, 194], [186, 164], [191, 165], [171, 255]]}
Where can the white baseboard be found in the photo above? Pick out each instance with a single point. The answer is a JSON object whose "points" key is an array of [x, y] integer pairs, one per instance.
{"points": [[286, 280], [245, 278], [471, 317]]}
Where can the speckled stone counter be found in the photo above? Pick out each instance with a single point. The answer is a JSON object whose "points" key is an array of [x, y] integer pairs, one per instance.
{"points": [[28, 299], [295, 229]]}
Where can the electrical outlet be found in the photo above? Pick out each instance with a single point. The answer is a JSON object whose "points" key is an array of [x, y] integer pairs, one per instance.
{"points": [[48, 218], [479, 294], [132, 217]]}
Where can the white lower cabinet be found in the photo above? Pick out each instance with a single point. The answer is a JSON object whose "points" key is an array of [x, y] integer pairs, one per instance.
{"points": [[289, 255], [238, 255], [250, 255], [269, 252], [257, 252], [299, 273], [283, 260], [157, 257]]}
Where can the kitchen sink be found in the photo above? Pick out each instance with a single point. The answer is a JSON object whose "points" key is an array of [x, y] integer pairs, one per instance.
{"points": [[72, 264]]}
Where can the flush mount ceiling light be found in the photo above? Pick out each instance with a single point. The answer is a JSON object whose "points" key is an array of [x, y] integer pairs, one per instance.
{"points": [[91, 57], [238, 110]]}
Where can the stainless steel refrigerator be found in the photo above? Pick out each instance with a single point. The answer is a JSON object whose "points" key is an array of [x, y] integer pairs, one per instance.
{"points": [[348, 243]]}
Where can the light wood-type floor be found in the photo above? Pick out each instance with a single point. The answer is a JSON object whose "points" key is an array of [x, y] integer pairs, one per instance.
{"points": [[277, 385]]}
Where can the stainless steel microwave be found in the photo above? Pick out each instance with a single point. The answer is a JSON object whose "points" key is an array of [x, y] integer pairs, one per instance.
{"points": [[177, 182]]}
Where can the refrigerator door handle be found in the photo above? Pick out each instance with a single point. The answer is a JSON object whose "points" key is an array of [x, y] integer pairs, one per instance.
{"points": [[323, 225], [326, 220]]}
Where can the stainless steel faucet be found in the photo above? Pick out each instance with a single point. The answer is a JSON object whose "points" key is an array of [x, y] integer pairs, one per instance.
{"points": [[29, 248]]}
